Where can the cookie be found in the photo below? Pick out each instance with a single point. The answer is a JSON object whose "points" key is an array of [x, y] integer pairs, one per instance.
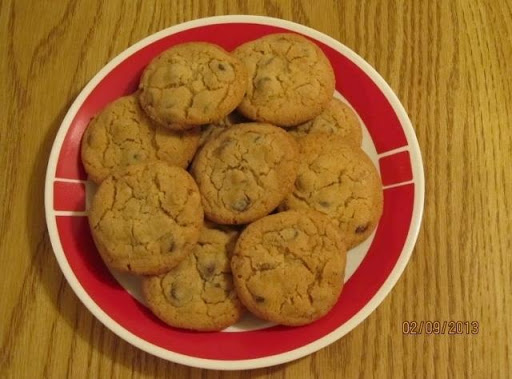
{"points": [[339, 180], [198, 294], [211, 131], [146, 218], [245, 172], [192, 83], [122, 135], [289, 267], [338, 118], [291, 80]]}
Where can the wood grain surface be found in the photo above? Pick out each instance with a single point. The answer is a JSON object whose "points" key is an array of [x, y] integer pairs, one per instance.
{"points": [[450, 64]]}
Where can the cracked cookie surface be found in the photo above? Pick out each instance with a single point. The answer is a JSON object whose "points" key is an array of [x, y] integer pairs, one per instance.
{"points": [[191, 84], [245, 172], [338, 118], [122, 135], [339, 180], [198, 294], [290, 80], [146, 218], [289, 267]]}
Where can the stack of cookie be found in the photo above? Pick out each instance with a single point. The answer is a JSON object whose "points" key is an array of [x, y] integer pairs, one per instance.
{"points": [[277, 188]]}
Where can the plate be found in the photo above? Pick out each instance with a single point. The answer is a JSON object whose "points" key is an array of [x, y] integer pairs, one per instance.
{"points": [[372, 269]]}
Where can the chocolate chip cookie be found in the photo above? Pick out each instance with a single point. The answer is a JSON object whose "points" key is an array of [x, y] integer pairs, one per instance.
{"points": [[289, 267], [339, 180], [146, 218], [192, 83], [245, 172], [290, 81], [122, 135], [198, 294]]}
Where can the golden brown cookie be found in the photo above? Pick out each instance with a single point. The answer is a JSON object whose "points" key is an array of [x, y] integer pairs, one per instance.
{"points": [[146, 218], [192, 83], [198, 294], [338, 118], [289, 267], [339, 180], [122, 135], [245, 172], [290, 81]]}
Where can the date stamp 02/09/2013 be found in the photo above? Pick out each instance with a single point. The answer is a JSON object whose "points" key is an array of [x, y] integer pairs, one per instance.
{"points": [[440, 327]]}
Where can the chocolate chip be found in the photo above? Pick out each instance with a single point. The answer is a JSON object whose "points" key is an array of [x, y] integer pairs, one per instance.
{"points": [[266, 266], [362, 228], [167, 246], [221, 67], [180, 295], [225, 144], [289, 234], [258, 299], [299, 183], [261, 82], [241, 204], [177, 292], [209, 270], [325, 204]]}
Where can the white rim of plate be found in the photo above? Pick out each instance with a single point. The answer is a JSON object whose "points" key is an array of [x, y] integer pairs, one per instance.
{"points": [[360, 316]]}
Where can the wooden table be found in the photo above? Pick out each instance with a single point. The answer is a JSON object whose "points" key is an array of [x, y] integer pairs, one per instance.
{"points": [[450, 64]]}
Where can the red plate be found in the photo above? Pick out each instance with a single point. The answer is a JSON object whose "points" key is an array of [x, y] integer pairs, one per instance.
{"points": [[373, 267]]}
